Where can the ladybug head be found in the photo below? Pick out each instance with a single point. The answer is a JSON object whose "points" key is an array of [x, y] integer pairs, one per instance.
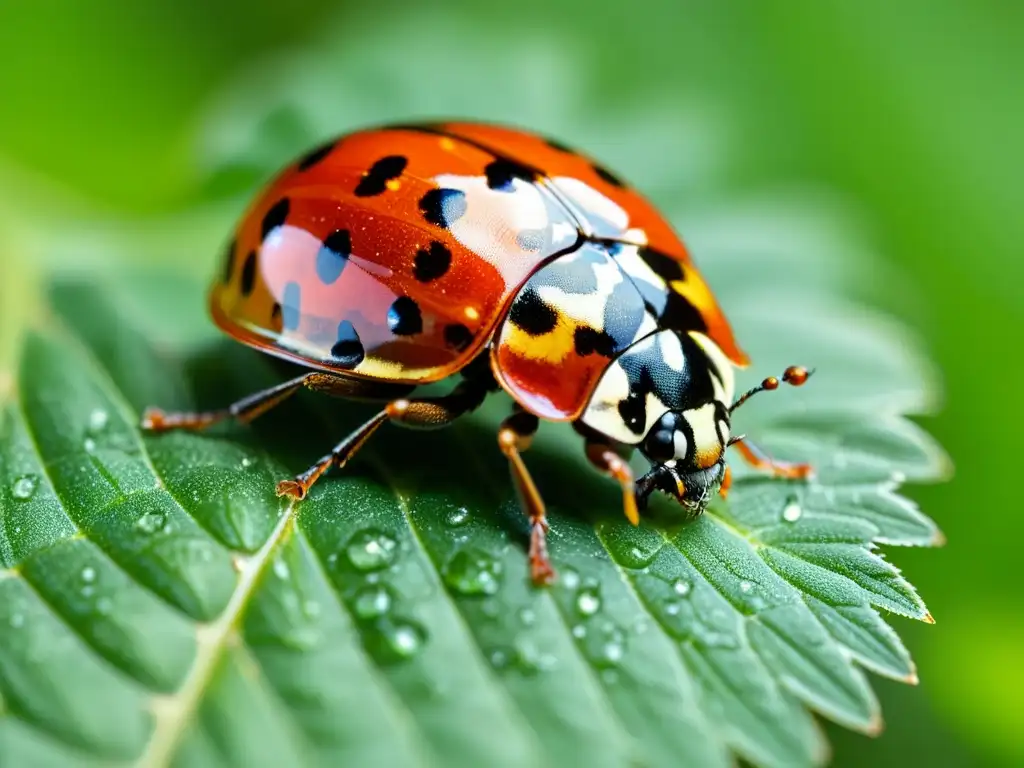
{"points": [[687, 454]]}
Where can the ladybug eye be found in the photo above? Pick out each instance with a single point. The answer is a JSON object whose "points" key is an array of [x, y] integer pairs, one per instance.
{"points": [[659, 445]]}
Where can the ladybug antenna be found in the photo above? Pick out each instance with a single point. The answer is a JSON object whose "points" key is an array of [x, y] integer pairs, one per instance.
{"points": [[795, 375]]}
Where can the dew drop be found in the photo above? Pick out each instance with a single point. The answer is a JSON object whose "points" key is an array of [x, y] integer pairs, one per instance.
{"points": [[17, 620], [681, 587], [672, 607], [746, 586], [281, 569], [104, 606], [88, 574], [527, 616], [604, 644], [151, 522], [88, 590], [473, 572], [792, 512], [579, 631], [247, 462], [311, 608], [588, 601], [457, 517], [371, 550], [89, 445], [570, 578], [24, 487], [372, 602], [490, 608], [499, 659], [403, 638], [98, 419]]}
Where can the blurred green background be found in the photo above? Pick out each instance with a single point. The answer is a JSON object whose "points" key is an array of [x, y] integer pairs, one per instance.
{"points": [[910, 113]]}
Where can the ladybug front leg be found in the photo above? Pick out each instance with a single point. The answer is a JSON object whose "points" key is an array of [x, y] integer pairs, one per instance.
{"points": [[514, 437], [610, 463]]}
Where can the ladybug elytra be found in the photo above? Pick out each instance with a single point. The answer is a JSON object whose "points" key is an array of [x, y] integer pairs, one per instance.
{"points": [[398, 256]]}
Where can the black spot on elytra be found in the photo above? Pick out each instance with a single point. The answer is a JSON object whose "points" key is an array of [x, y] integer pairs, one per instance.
{"points": [[431, 263], [681, 315], [404, 317], [587, 341], [457, 336], [310, 159], [608, 176], [443, 207], [333, 256], [249, 274], [274, 217], [375, 180], [663, 265], [556, 144], [229, 260], [291, 306], [530, 313], [501, 172], [348, 350]]}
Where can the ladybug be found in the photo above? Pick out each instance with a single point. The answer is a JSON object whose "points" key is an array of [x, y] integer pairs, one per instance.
{"points": [[398, 256]]}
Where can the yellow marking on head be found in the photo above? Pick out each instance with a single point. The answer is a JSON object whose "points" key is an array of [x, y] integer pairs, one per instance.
{"points": [[471, 313], [393, 184], [446, 144]]}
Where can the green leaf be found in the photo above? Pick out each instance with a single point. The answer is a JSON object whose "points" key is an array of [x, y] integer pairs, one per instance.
{"points": [[159, 604]]}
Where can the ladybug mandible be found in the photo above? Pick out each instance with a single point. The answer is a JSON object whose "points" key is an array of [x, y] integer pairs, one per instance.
{"points": [[396, 257]]}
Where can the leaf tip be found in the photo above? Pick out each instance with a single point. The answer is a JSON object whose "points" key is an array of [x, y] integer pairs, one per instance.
{"points": [[928, 618], [938, 539], [875, 725], [912, 678]]}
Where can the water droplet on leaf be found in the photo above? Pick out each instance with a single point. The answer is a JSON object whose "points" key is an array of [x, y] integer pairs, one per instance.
{"points": [[372, 602], [24, 487], [88, 574], [588, 601], [527, 616], [792, 512], [281, 569], [371, 550], [457, 517], [98, 419], [473, 572], [403, 638], [681, 587], [151, 522], [746, 586]]}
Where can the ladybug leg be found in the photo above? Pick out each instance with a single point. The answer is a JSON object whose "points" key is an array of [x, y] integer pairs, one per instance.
{"points": [[258, 403], [244, 410], [758, 459], [424, 413], [514, 437], [723, 490], [610, 463]]}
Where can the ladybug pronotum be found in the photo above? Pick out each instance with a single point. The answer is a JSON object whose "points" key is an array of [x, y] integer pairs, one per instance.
{"points": [[396, 257]]}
